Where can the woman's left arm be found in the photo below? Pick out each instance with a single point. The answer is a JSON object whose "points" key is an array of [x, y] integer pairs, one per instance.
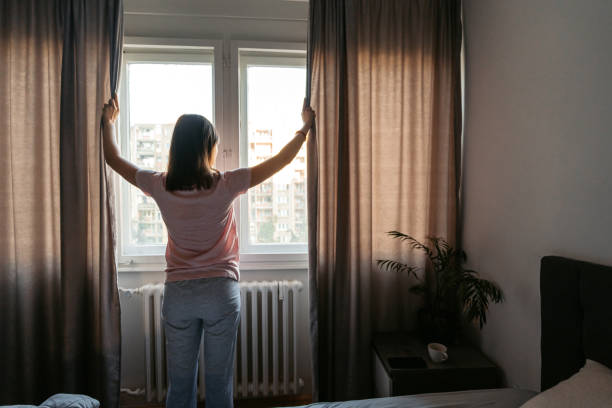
{"points": [[112, 155]]}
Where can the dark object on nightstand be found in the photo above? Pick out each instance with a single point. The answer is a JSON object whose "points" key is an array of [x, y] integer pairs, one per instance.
{"points": [[402, 366]]}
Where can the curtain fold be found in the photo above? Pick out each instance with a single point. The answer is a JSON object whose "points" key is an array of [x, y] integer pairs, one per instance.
{"points": [[58, 283], [384, 80]]}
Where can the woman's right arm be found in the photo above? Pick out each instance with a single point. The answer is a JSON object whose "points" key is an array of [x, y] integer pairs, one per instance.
{"points": [[271, 166], [113, 158]]}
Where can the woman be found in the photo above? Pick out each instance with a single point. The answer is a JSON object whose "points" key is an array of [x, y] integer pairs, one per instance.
{"points": [[201, 290]]}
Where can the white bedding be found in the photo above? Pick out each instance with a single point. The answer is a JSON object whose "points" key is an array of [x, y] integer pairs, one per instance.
{"points": [[493, 398]]}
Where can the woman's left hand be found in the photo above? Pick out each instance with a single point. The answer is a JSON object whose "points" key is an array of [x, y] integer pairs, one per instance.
{"points": [[308, 116], [110, 112]]}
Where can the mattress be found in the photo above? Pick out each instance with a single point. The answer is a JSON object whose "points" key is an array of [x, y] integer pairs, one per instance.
{"points": [[493, 398]]}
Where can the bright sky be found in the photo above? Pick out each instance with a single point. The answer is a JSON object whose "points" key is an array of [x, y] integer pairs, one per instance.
{"points": [[160, 93], [274, 98]]}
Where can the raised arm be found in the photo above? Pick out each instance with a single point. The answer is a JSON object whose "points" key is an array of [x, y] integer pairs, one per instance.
{"points": [[268, 168], [112, 156]]}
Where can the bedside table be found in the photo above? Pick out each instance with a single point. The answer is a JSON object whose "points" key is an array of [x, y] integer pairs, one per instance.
{"points": [[402, 366]]}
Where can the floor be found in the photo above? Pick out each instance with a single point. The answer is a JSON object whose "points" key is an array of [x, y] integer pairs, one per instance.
{"points": [[128, 401]]}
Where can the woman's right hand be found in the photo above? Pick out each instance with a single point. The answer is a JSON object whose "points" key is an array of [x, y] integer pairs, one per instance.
{"points": [[110, 111]]}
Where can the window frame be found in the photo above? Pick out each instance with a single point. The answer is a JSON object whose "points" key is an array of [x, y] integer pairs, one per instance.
{"points": [[226, 108]]}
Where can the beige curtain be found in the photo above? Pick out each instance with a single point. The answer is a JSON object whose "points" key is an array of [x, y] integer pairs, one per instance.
{"points": [[30, 251], [59, 303], [385, 82]]}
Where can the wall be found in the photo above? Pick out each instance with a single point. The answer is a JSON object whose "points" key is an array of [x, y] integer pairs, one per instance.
{"points": [[227, 20], [271, 20], [537, 156]]}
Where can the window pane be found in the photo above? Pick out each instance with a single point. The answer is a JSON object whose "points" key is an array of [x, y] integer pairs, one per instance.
{"points": [[277, 207], [158, 94]]}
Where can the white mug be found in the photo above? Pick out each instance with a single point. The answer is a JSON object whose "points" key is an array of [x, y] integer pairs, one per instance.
{"points": [[437, 352]]}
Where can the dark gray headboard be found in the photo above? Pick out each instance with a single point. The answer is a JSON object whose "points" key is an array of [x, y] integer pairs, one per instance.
{"points": [[576, 299]]}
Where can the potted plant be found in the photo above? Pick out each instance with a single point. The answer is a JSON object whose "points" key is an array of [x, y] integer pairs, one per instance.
{"points": [[450, 292]]}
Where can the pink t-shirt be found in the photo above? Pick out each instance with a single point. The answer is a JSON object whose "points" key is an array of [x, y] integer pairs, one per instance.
{"points": [[202, 237]]}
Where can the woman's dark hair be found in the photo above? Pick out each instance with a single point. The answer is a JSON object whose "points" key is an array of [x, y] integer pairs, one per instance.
{"points": [[191, 148]]}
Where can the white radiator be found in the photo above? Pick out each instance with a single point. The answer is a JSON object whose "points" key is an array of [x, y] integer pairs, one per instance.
{"points": [[266, 362]]}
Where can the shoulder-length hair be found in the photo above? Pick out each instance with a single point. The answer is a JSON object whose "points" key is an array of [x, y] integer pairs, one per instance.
{"points": [[189, 162]]}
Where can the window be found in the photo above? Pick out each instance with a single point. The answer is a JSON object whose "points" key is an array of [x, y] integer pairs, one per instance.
{"points": [[271, 96], [156, 90], [261, 91]]}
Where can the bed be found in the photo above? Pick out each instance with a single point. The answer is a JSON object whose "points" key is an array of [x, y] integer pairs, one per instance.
{"points": [[576, 311]]}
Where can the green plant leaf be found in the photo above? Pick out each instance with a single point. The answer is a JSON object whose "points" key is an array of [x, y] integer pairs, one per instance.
{"points": [[395, 266], [476, 294], [414, 244]]}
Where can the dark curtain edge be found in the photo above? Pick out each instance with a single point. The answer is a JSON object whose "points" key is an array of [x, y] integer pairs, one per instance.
{"points": [[115, 23], [459, 120], [312, 200]]}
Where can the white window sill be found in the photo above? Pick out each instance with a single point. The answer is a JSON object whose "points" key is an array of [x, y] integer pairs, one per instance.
{"points": [[259, 262], [248, 262]]}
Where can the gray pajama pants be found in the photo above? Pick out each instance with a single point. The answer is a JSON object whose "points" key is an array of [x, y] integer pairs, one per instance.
{"points": [[190, 307]]}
